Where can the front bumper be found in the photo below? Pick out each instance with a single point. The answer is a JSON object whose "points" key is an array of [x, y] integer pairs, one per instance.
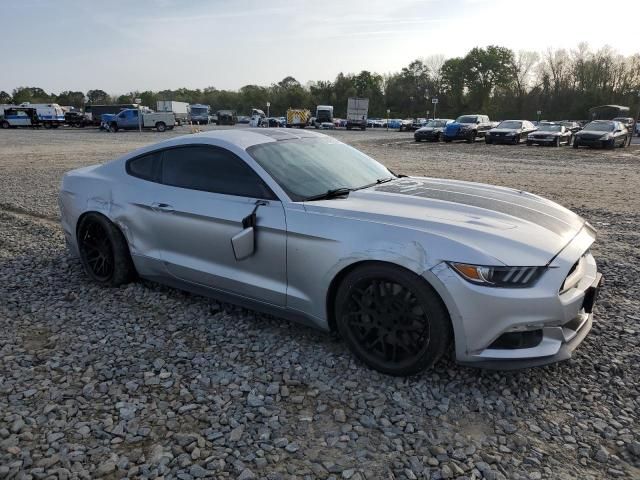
{"points": [[593, 143], [559, 321], [539, 140], [502, 138], [426, 135]]}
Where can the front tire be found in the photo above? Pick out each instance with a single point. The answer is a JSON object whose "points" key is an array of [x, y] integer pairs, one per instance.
{"points": [[392, 319], [5, 124], [104, 252]]}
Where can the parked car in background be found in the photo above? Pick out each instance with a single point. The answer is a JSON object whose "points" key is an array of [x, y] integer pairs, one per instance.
{"points": [[603, 134], [572, 126], [275, 122], [129, 120], [550, 134], [432, 130], [510, 131], [304, 227], [226, 117], [417, 123], [405, 125], [76, 119], [95, 112], [629, 124], [467, 127], [243, 119]]}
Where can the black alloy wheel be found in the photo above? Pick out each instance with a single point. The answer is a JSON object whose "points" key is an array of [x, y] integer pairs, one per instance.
{"points": [[392, 319], [104, 251], [97, 251]]}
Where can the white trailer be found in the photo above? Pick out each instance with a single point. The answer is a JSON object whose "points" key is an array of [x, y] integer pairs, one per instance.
{"points": [[179, 109], [357, 111], [50, 115]]}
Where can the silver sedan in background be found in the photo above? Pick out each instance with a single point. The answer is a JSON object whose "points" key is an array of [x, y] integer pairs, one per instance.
{"points": [[302, 226]]}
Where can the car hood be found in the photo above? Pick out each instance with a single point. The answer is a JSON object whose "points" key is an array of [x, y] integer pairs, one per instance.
{"points": [[504, 130], [545, 133], [510, 226], [592, 132]]}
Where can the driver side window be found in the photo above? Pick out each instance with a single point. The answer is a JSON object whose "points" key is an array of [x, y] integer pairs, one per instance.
{"points": [[212, 169]]}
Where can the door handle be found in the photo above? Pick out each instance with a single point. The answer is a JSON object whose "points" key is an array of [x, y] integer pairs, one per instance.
{"points": [[161, 207]]}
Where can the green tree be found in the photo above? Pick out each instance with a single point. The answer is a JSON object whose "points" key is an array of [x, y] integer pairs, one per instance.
{"points": [[31, 95], [5, 97], [98, 97], [484, 70], [74, 99]]}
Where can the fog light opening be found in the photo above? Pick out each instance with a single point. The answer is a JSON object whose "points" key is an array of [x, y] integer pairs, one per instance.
{"points": [[516, 340]]}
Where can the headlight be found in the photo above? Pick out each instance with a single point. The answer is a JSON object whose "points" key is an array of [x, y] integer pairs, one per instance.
{"points": [[509, 277]]}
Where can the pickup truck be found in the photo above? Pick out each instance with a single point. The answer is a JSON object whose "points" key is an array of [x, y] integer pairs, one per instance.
{"points": [[467, 127], [128, 120]]}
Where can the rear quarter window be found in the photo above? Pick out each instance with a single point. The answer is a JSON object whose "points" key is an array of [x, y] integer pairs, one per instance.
{"points": [[146, 167]]}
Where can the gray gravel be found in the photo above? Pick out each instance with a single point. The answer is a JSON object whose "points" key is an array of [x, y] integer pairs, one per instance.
{"points": [[146, 381]]}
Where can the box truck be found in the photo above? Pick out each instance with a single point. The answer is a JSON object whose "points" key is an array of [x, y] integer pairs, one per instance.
{"points": [[357, 111], [179, 109]]}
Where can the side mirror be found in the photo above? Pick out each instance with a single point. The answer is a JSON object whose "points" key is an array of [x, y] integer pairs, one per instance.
{"points": [[244, 243]]}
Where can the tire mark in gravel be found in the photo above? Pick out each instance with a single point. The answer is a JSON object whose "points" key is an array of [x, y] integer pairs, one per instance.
{"points": [[26, 214]]}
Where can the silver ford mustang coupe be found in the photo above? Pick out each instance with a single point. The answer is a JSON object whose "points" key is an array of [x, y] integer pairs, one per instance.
{"points": [[302, 226]]}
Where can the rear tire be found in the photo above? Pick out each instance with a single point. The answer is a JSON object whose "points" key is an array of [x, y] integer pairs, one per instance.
{"points": [[392, 319], [161, 126], [104, 251], [529, 143], [575, 143], [487, 140]]}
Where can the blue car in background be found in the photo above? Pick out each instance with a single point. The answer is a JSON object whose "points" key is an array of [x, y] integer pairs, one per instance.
{"points": [[467, 127]]}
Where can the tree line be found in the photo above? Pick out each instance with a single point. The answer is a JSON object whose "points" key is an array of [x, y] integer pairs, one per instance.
{"points": [[494, 80]]}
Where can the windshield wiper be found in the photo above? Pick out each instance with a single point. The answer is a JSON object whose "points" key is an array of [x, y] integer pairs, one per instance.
{"points": [[377, 182], [329, 194]]}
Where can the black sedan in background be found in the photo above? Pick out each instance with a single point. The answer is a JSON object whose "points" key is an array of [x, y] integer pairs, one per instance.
{"points": [[432, 130], [602, 133], [550, 134], [510, 131]]}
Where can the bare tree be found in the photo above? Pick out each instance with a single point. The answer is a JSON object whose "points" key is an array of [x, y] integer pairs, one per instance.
{"points": [[524, 64]]}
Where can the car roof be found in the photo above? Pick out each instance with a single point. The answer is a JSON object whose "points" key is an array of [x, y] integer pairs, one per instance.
{"points": [[248, 137]]}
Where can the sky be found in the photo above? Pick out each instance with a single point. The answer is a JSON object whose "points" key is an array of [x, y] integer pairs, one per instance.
{"points": [[124, 45]]}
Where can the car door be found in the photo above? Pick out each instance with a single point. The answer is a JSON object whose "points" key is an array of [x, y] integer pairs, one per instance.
{"points": [[205, 194]]}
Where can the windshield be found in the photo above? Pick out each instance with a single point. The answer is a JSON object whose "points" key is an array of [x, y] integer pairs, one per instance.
{"points": [[510, 124], [305, 168], [600, 127], [549, 128], [467, 119], [435, 123], [198, 111]]}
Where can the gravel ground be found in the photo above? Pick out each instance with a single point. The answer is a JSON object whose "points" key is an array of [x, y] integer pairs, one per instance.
{"points": [[147, 382]]}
